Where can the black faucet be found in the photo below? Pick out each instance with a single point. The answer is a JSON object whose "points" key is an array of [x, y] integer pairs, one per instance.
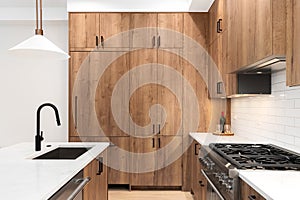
{"points": [[39, 134]]}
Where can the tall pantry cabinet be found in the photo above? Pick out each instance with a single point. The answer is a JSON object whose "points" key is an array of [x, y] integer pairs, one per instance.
{"points": [[148, 114]]}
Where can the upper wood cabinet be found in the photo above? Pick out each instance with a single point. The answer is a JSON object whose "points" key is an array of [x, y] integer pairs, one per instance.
{"points": [[83, 30], [156, 30], [217, 20], [256, 29], [91, 30], [293, 44]]}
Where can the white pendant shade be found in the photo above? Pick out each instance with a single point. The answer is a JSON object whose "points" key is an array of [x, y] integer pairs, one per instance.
{"points": [[39, 46]]}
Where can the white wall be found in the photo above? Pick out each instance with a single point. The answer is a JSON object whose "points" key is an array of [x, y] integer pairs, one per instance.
{"points": [[25, 84], [274, 119]]}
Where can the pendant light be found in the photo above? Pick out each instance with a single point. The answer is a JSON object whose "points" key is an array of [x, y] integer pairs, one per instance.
{"points": [[38, 45]]}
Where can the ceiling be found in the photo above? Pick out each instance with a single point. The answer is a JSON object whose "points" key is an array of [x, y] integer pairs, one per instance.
{"points": [[31, 3], [117, 5]]}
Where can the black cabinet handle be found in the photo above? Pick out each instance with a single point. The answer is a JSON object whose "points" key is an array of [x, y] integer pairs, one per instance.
{"points": [[158, 142], [201, 183], [196, 150], [251, 197], [102, 41], [219, 87], [97, 41], [100, 166], [76, 101], [158, 42], [153, 129], [219, 29], [153, 41], [153, 143], [159, 129]]}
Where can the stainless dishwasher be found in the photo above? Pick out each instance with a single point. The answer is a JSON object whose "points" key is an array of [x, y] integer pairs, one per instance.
{"points": [[73, 189]]}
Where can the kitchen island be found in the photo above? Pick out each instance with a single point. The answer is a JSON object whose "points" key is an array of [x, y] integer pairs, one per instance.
{"points": [[270, 184], [25, 178]]}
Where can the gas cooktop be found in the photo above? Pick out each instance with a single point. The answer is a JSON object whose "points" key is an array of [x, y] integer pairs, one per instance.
{"points": [[257, 156]]}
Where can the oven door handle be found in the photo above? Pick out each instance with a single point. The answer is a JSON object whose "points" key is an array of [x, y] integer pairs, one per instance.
{"points": [[212, 185]]}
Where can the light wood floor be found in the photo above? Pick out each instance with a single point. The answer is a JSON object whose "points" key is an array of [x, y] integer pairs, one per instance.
{"points": [[148, 195]]}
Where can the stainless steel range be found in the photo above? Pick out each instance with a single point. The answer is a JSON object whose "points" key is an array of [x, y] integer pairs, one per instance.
{"points": [[221, 161]]}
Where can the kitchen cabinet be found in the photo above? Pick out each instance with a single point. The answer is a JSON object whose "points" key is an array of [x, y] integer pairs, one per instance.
{"points": [[166, 173], [117, 161], [159, 81], [293, 30], [247, 192], [91, 30], [199, 183], [154, 92], [96, 189], [82, 112], [83, 30], [221, 82], [256, 29], [148, 30], [217, 22]]}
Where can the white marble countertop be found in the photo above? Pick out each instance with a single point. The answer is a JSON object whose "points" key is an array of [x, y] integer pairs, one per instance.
{"points": [[271, 184], [24, 178], [207, 138]]}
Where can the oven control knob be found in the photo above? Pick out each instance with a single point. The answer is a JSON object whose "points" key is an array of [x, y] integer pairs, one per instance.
{"points": [[228, 186]]}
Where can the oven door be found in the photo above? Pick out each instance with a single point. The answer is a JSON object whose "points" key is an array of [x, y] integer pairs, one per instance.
{"points": [[212, 192]]}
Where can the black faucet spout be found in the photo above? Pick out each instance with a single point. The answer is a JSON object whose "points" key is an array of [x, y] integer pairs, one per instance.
{"points": [[39, 134]]}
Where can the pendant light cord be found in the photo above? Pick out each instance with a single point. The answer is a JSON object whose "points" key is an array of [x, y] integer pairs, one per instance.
{"points": [[39, 18]]}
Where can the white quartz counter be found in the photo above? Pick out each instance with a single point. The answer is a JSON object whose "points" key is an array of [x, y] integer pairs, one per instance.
{"points": [[207, 138], [24, 178], [272, 185]]}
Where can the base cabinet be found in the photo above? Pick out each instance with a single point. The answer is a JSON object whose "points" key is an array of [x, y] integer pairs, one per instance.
{"points": [[248, 193], [96, 189], [199, 183]]}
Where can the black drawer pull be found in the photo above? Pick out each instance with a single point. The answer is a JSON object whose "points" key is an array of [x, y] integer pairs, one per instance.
{"points": [[97, 41], [100, 165], [219, 29], [153, 143], [201, 183], [102, 41], [251, 197], [196, 150], [158, 142]]}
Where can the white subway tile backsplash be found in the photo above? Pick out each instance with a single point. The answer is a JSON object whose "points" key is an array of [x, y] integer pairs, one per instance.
{"points": [[275, 118], [297, 103], [295, 131]]}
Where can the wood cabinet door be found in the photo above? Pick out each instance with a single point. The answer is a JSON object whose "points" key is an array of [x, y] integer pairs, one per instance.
{"points": [[248, 192], [170, 91], [293, 43], [171, 173], [143, 30], [216, 16], [110, 102], [111, 27], [142, 168], [96, 189], [216, 83], [246, 32], [118, 160], [77, 59], [83, 29], [170, 25], [143, 93], [263, 29]]}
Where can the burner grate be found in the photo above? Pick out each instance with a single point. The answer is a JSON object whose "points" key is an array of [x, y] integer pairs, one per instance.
{"points": [[258, 156]]}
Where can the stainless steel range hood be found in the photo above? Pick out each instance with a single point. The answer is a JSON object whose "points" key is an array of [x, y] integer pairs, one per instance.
{"points": [[270, 64]]}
